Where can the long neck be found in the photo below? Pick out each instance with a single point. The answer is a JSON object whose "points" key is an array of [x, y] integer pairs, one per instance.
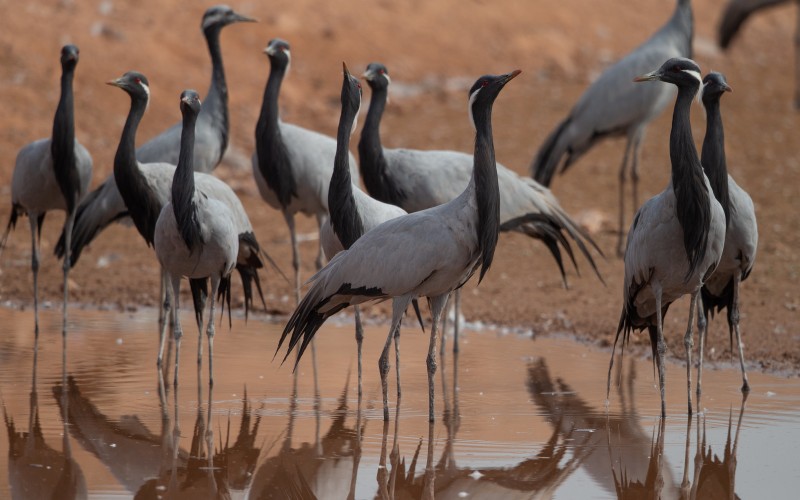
{"points": [[183, 205], [62, 144], [372, 163], [487, 191], [273, 158], [141, 202], [688, 182], [713, 155], [345, 219], [215, 105]]}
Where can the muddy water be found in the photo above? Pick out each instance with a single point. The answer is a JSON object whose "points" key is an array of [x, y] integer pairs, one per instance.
{"points": [[516, 417]]}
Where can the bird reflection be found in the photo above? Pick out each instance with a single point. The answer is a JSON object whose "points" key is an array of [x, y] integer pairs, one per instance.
{"points": [[715, 477], [540, 474], [35, 469], [712, 477], [151, 465], [326, 468]]}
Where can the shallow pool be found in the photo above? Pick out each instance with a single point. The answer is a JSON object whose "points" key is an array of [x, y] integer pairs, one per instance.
{"points": [[515, 417]]}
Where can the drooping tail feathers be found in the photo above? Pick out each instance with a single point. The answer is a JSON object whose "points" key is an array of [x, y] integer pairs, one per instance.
{"points": [[548, 158], [96, 212], [12, 224], [550, 229]]}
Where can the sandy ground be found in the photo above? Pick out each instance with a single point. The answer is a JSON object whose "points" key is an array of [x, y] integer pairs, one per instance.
{"points": [[434, 50]]}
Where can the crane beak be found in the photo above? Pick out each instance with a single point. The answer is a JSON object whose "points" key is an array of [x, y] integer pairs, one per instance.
{"points": [[648, 77], [726, 88], [114, 83], [510, 76], [344, 69], [238, 18]]}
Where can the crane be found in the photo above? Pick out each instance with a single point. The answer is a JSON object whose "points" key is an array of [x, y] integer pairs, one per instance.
{"points": [[51, 174], [613, 106], [676, 238], [721, 290], [428, 253], [195, 234], [417, 179]]}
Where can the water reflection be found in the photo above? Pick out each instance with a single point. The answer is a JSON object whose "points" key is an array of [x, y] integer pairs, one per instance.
{"points": [[36, 469], [620, 455], [151, 465], [326, 468]]}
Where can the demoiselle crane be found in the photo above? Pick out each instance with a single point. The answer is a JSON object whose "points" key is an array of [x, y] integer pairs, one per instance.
{"points": [[614, 106], [146, 188], [51, 174], [105, 204], [292, 165], [195, 235], [738, 11], [676, 238], [417, 179], [721, 290], [428, 253], [353, 213]]}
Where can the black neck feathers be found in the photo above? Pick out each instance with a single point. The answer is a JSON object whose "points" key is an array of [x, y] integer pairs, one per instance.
{"points": [[183, 204], [143, 206], [372, 163], [713, 154], [273, 158], [345, 219], [487, 190], [693, 203], [62, 143]]}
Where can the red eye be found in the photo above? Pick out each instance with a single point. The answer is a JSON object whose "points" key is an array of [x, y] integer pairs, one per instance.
{"points": [[484, 83], [359, 85], [380, 71], [137, 80]]}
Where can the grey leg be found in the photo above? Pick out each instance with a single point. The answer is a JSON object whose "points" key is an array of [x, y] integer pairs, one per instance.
{"points": [[437, 304], [688, 343], [177, 332], [67, 264], [210, 332], [359, 342], [702, 331], [399, 305], [34, 221], [733, 320]]}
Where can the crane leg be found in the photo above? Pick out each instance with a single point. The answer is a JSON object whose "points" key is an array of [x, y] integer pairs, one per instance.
{"points": [[397, 357], [359, 342], [733, 321], [688, 344], [215, 279], [67, 264], [637, 149], [295, 257], [177, 331], [34, 222], [399, 305], [437, 304], [661, 346], [623, 178], [163, 316], [457, 320], [702, 331]]}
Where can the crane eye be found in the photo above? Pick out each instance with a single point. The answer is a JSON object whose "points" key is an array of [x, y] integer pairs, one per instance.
{"points": [[484, 83], [137, 80], [380, 72]]}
